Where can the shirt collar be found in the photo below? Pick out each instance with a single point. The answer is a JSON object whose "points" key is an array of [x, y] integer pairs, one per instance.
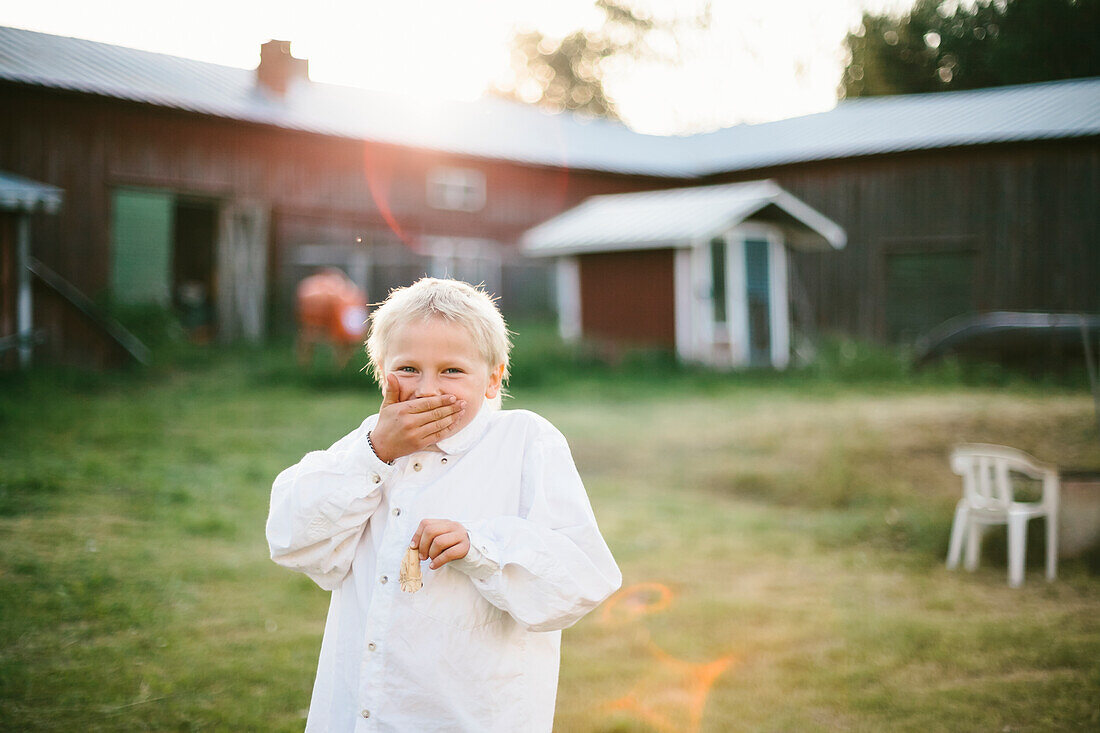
{"points": [[464, 439]]}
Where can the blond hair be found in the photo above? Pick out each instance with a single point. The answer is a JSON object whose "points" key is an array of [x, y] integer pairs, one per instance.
{"points": [[452, 300]]}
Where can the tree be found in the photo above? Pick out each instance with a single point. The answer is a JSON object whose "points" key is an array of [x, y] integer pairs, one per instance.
{"points": [[568, 73], [942, 45]]}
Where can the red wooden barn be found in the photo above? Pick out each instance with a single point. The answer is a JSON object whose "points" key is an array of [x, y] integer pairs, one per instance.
{"points": [[950, 204], [213, 190]]}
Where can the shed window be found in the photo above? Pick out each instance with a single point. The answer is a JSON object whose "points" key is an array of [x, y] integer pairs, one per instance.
{"points": [[456, 189]]}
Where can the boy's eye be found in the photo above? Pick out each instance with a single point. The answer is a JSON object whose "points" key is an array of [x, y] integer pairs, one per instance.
{"points": [[452, 370], [406, 369]]}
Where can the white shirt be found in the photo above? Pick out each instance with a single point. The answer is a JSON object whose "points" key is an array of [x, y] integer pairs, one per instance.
{"points": [[477, 648]]}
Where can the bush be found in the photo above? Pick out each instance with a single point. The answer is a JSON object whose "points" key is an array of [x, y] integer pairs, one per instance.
{"points": [[155, 326]]}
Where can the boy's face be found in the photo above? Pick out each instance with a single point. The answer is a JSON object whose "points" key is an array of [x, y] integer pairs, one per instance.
{"points": [[434, 357]]}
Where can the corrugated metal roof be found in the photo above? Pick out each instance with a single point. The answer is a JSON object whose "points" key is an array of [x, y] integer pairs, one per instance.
{"points": [[877, 125], [492, 128], [676, 218], [497, 128], [22, 194]]}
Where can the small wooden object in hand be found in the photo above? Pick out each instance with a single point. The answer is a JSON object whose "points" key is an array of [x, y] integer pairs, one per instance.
{"points": [[411, 580]]}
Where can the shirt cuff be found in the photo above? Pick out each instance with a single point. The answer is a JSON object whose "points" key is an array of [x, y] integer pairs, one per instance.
{"points": [[376, 470], [481, 561]]}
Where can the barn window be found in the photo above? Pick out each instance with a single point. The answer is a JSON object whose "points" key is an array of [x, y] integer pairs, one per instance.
{"points": [[456, 189], [925, 289]]}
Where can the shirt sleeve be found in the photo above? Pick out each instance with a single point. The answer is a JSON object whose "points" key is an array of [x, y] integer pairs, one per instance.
{"points": [[549, 566], [320, 507]]}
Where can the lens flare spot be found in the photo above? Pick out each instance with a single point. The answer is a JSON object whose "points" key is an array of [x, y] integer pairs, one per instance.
{"points": [[379, 176], [636, 600], [671, 694]]}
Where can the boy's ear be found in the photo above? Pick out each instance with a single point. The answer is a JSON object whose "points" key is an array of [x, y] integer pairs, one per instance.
{"points": [[496, 376]]}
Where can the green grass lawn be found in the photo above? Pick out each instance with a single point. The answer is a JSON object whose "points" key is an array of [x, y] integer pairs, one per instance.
{"points": [[781, 538]]}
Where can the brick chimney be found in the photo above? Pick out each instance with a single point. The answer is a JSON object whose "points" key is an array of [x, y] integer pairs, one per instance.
{"points": [[278, 69]]}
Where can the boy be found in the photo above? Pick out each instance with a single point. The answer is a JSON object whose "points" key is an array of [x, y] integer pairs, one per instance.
{"points": [[488, 499]]}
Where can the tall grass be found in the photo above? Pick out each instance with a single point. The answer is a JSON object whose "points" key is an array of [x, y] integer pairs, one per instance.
{"points": [[541, 359]]}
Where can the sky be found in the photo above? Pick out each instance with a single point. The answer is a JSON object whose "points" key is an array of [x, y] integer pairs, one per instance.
{"points": [[757, 60]]}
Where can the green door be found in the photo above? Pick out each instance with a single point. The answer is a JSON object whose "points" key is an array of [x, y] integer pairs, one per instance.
{"points": [[925, 289], [141, 247], [757, 290]]}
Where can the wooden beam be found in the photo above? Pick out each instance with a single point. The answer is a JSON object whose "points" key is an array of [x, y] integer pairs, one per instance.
{"points": [[128, 341]]}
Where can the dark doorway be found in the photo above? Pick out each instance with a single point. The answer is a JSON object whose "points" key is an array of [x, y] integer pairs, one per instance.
{"points": [[194, 283]]}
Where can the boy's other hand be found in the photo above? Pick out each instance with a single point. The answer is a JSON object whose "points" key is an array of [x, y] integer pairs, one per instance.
{"points": [[441, 540], [406, 424]]}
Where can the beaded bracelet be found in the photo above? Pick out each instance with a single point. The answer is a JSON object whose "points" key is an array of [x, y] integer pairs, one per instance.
{"points": [[375, 452]]}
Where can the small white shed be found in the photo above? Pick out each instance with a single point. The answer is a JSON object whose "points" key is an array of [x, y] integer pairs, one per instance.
{"points": [[703, 270]]}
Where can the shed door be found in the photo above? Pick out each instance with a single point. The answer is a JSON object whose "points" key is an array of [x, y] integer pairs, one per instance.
{"points": [[757, 292], [741, 306], [141, 247]]}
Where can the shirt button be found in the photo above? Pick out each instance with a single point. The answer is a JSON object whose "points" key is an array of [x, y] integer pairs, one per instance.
{"points": [[417, 466], [384, 579], [365, 713], [442, 460], [397, 511], [375, 478], [372, 646]]}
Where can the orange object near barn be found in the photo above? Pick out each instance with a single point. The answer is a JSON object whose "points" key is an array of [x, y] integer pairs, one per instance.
{"points": [[331, 309]]}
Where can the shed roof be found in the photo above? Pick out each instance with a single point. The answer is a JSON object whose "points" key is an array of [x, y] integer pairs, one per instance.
{"points": [[677, 218], [22, 194], [500, 129]]}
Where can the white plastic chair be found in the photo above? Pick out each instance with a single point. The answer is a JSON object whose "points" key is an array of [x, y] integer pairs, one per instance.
{"points": [[988, 498]]}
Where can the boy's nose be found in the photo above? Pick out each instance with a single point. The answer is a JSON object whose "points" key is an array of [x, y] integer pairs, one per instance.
{"points": [[427, 387]]}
